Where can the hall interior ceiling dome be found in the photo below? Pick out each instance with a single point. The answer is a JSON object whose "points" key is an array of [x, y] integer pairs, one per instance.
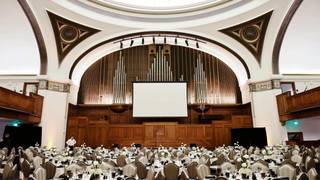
{"points": [[160, 6]]}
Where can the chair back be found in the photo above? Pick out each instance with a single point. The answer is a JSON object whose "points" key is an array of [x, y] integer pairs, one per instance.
{"points": [[25, 168], [227, 167], [220, 159], [303, 176], [37, 161], [73, 168], [40, 174], [192, 170], [142, 171], [6, 171], [150, 175], [171, 171], [258, 166], [312, 174], [203, 171], [50, 169], [121, 161], [296, 158], [130, 170], [29, 154], [310, 164], [287, 170]]}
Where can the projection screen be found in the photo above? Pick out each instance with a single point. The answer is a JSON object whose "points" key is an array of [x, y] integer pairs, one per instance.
{"points": [[160, 99]]}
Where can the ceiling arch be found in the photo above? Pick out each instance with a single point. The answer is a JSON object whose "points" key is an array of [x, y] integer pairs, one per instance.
{"points": [[224, 53]]}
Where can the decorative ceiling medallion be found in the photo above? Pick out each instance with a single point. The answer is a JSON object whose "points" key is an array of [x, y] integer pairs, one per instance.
{"points": [[251, 34], [68, 34]]}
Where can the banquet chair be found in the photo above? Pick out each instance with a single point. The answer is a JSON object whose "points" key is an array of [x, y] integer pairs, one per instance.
{"points": [[112, 163], [159, 176], [37, 161], [203, 171], [310, 164], [258, 166], [143, 159], [29, 154], [303, 176], [141, 170], [312, 174], [9, 171], [150, 175], [25, 168], [40, 173], [171, 171], [106, 166], [6, 171], [183, 176], [296, 158], [50, 169], [288, 161], [231, 155], [73, 168], [192, 170], [220, 159], [227, 167], [238, 164], [130, 170], [121, 161], [287, 170]]}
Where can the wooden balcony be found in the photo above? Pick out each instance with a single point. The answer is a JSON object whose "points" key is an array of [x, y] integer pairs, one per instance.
{"points": [[14, 105], [305, 104]]}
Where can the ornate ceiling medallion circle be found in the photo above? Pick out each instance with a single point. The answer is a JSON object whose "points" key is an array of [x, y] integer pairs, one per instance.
{"points": [[250, 33], [68, 33]]}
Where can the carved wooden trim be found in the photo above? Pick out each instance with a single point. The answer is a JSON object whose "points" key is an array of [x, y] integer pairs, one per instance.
{"points": [[68, 34], [37, 33], [251, 34], [54, 86], [265, 85], [159, 32], [277, 45]]}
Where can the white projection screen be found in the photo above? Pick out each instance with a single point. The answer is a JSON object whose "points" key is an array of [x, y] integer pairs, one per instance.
{"points": [[160, 99]]}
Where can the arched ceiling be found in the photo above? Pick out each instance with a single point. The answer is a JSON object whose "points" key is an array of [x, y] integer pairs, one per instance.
{"points": [[19, 49], [206, 22], [301, 44]]}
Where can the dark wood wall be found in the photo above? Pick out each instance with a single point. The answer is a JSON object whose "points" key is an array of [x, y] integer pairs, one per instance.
{"points": [[302, 105], [195, 116], [100, 132], [14, 105], [97, 82]]}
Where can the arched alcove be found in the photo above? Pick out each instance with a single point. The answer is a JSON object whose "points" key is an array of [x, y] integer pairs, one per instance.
{"points": [[202, 71]]}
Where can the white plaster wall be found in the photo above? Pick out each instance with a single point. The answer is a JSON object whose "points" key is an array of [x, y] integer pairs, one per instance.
{"points": [[15, 83], [19, 50], [265, 114], [54, 118], [309, 127], [300, 48]]}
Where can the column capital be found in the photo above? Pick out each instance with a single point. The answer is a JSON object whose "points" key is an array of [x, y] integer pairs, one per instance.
{"points": [[264, 85], [54, 86]]}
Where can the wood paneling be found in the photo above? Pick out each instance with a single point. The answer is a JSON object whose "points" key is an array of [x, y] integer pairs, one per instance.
{"points": [[150, 134], [305, 104], [17, 106], [194, 117]]}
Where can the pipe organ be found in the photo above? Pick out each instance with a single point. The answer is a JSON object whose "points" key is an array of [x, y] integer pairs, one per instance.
{"points": [[109, 80]]}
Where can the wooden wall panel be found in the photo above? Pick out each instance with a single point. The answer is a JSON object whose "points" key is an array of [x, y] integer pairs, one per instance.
{"points": [[14, 105], [100, 132], [302, 105], [104, 112]]}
